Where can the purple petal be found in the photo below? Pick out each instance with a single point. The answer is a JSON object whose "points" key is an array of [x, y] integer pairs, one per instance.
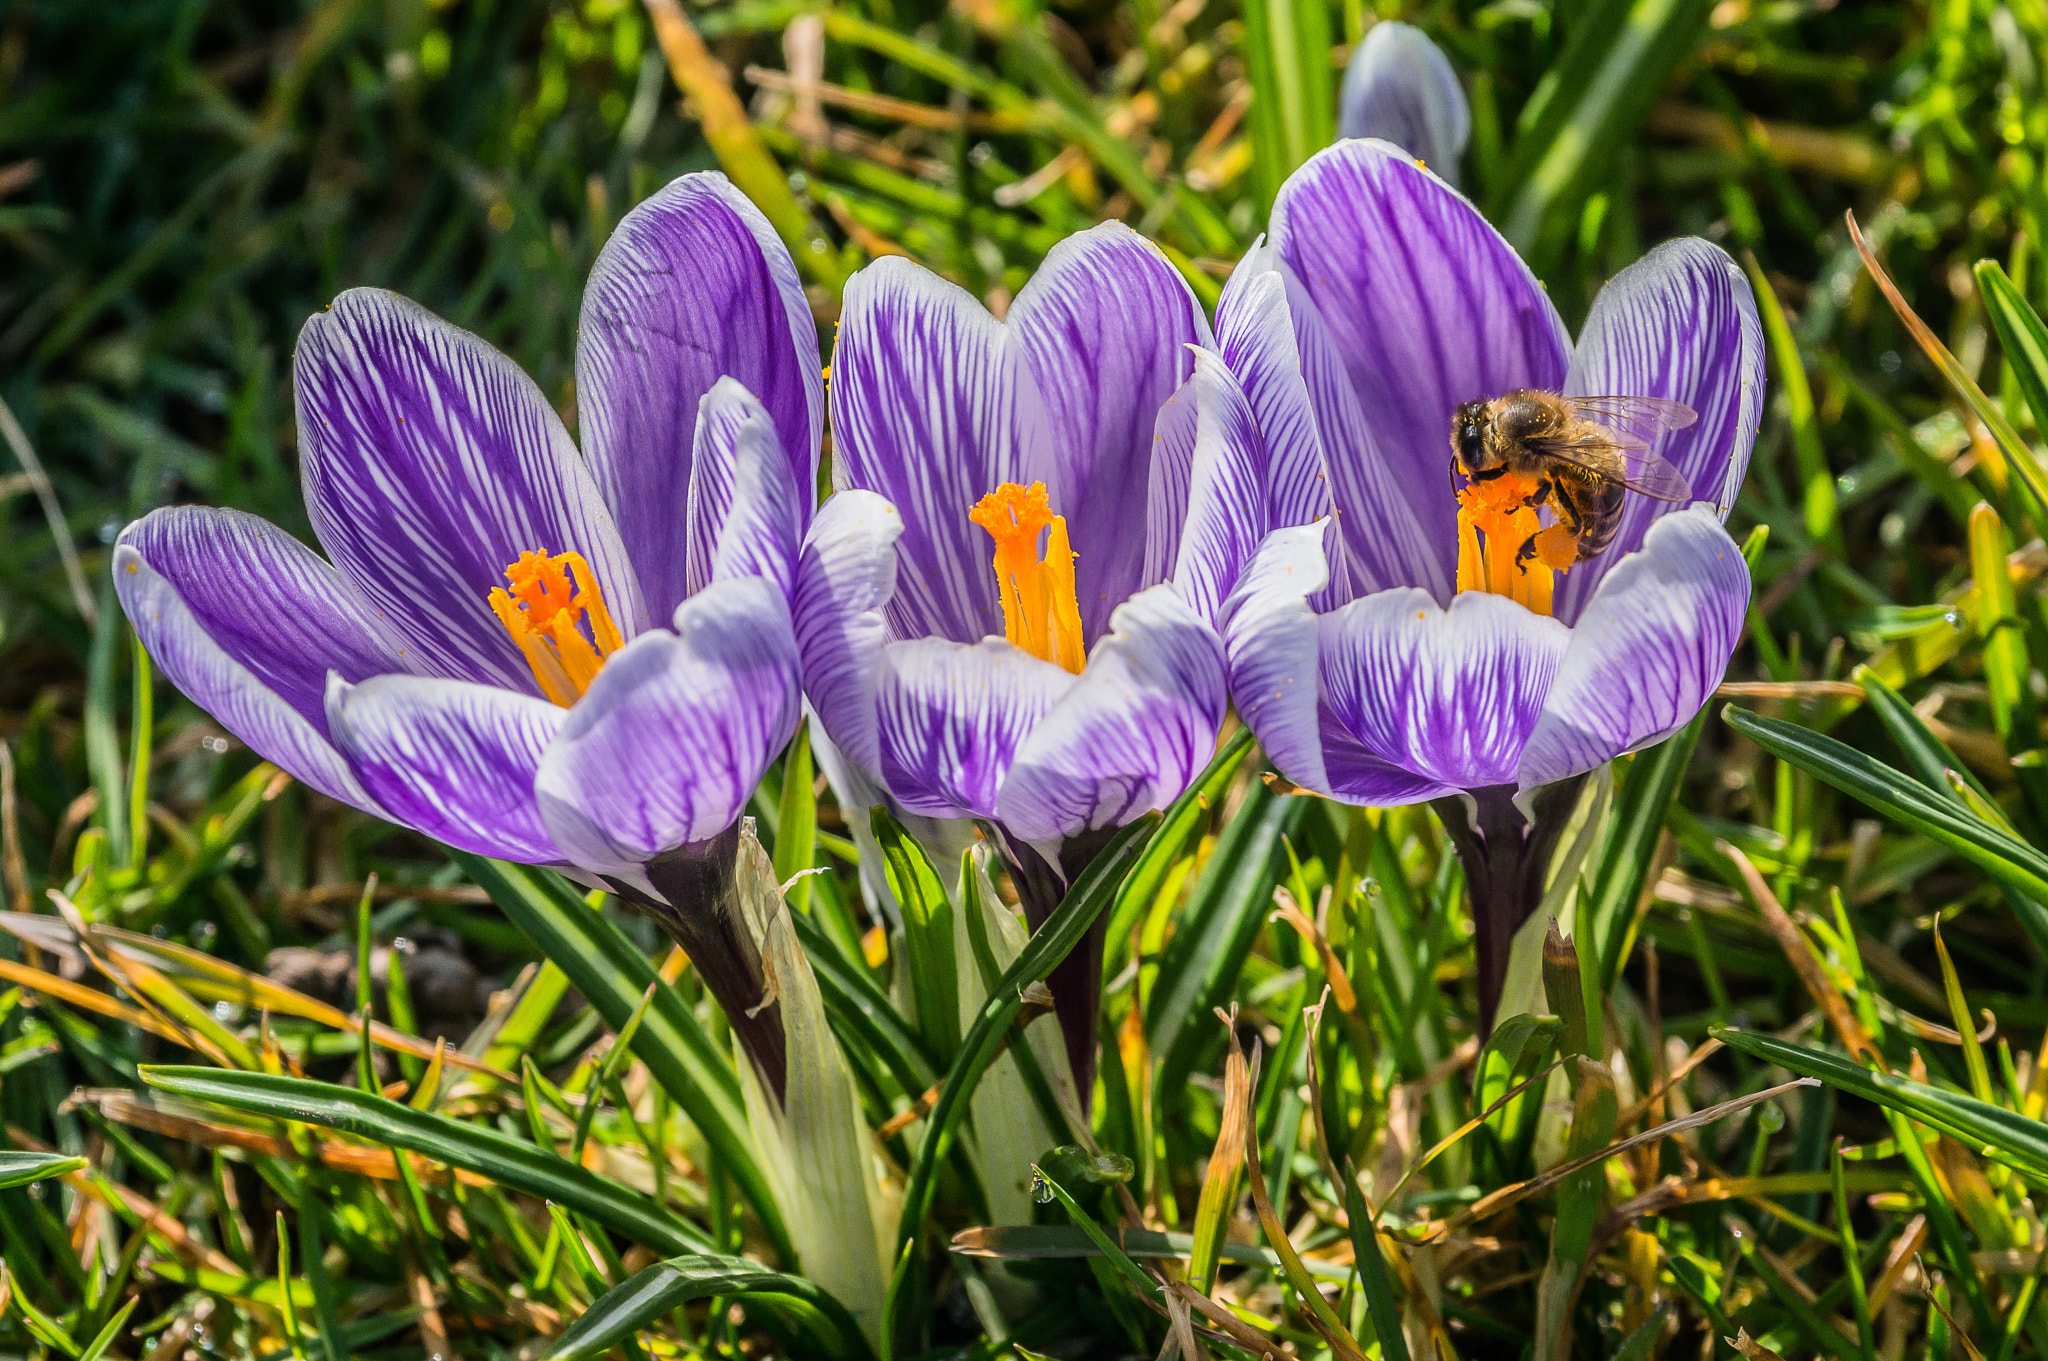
{"points": [[1271, 638], [1448, 695], [1227, 501], [933, 407], [1105, 325], [673, 735], [451, 759], [1166, 487], [1400, 88], [1359, 777], [844, 578], [1131, 734], [743, 518], [1681, 324], [1427, 305], [951, 717], [693, 286], [430, 464], [185, 650], [1647, 652], [268, 601]]}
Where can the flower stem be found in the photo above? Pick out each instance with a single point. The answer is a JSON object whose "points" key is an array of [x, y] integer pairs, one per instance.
{"points": [[697, 903], [1507, 860], [1076, 982]]}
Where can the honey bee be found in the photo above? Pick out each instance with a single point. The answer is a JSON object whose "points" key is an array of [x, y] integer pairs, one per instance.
{"points": [[1582, 453]]}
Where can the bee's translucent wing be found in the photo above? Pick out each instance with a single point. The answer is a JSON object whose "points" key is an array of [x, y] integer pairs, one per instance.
{"points": [[1642, 470], [1634, 421]]}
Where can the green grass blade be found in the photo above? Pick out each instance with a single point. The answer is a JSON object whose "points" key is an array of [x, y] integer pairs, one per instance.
{"points": [[927, 933], [1899, 796], [1999, 1134], [509, 1162], [2021, 335], [611, 973], [1647, 790], [638, 1302], [19, 1169]]}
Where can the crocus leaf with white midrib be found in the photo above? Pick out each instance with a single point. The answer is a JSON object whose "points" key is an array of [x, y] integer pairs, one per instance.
{"points": [[578, 659], [1385, 644], [1029, 645]]}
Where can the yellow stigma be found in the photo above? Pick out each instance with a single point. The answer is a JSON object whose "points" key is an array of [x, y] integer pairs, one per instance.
{"points": [[1040, 613], [1493, 524], [563, 629]]}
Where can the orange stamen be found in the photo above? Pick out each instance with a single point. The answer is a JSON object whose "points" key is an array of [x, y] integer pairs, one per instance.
{"points": [[1493, 524], [1040, 612], [556, 614]]}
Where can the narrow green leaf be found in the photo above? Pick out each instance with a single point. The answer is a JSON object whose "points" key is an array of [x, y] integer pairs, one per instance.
{"points": [[2021, 335], [1816, 479], [638, 1302], [1899, 796], [1999, 1134], [1380, 1309], [1647, 790], [796, 823], [105, 1339], [19, 1169], [612, 973], [509, 1162], [927, 933]]}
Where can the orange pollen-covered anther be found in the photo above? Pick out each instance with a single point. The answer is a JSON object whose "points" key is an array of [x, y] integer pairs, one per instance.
{"points": [[1494, 521], [556, 614], [1040, 612]]}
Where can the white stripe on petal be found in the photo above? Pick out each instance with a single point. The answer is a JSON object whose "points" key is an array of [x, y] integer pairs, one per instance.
{"points": [[1271, 639], [449, 758], [218, 683], [1449, 695], [1131, 734], [676, 731], [1648, 651], [430, 463]]}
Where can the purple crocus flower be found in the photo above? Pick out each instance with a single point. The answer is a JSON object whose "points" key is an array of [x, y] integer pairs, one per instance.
{"points": [[1379, 653], [1400, 88], [1052, 690], [578, 661]]}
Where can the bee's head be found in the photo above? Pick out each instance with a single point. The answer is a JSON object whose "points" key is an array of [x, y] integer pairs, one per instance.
{"points": [[1468, 437]]}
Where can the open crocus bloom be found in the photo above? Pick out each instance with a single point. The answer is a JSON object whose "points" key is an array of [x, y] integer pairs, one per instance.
{"points": [[1393, 651], [581, 661], [1012, 648]]}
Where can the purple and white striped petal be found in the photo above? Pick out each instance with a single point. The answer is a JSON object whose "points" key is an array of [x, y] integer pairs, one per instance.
{"points": [[1227, 504], [844, 578], [1105, 324], [951, 717], [1680, 323], [1271, 639], [742, 518], [1449, 695], [1400, 88], [933, 407], [431, 462], [1359, 777], [449, 758], [1131, 734], [182, 646], [268, 601], [1427, 306], [1166, 486], [671, 738], [1647, 652], [693, 286]]}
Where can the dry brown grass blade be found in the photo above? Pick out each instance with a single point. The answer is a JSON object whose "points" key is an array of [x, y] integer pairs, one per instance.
{"points": [[78, 995], [1800, 955], [1490, 1205], [1219, 1181], [1902, 1254], [1229, 1324]]}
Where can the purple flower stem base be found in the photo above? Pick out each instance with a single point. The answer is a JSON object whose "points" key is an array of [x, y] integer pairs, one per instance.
{"points": [[1076, 981], [698, 906], [1506, 859]]}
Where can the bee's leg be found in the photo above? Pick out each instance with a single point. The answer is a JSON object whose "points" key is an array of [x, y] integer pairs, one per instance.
{"points": [[1556, 548], [1487, 474], [1453, 474], [1541, 493]]}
